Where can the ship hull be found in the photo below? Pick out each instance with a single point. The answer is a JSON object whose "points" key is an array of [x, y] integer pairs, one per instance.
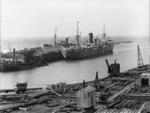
{"points": [[11, 67], [87, 52], [8, 68]]}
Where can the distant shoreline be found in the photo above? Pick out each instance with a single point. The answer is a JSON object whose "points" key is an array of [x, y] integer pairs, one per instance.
{"points": [[123, 42]]}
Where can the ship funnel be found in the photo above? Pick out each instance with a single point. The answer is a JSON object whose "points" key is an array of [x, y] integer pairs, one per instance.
{"points": [[13, 55], [67, 42], [91, 37]]}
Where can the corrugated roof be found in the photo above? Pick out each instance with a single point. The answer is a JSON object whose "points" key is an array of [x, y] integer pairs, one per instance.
{"points": [[147, 74], [86, 91]]}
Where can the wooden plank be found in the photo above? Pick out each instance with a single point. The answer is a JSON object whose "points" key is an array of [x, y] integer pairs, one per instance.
{"points": [[40, 94], [10, 107], [55, 93], [36, 101], [128, 87], [136, 96], [140, 110]]}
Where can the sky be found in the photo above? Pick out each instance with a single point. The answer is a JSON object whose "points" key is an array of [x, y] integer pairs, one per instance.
{"points": [[38, 18]]}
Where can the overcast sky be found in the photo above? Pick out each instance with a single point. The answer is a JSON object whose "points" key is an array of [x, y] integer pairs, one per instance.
{"points": [[38, 18]]}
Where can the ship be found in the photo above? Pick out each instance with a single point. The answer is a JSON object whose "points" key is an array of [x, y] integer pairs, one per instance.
{"points": [[28, 59], [92, 48]]}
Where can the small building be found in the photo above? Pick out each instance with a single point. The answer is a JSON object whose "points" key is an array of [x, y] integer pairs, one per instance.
{"points": [[86, 98], [59, 87], [21, 87], [145, 79]]}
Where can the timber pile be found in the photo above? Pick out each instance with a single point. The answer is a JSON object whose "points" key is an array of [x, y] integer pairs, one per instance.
{"points": [[108, 96], [29, 102], [51, 99], [136, 96]]}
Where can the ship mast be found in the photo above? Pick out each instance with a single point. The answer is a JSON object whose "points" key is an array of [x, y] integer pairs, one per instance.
{"points": [[78, 33], [0, 42], [104, 34], [55, 36], [0, 36]]}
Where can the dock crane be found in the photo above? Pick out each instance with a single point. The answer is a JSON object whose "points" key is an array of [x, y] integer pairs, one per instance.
{"points": [[140, 60]]}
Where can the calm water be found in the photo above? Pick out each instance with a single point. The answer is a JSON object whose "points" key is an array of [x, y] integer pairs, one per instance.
{"points": [[77, 71]]}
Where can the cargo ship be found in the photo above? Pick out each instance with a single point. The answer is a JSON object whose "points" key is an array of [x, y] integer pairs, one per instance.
{"points": [[30, 58], [95, 48]]}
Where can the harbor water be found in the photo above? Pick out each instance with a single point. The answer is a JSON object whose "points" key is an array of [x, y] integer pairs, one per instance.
{"points": [[79, 70]]}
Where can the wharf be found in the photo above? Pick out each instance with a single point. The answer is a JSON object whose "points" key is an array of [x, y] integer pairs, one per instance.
{"points": [[113, 88]]}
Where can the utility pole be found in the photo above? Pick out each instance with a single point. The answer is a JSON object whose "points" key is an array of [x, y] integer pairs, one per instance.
{"points": [[0, 35], [149, 30], [0, 41], [38, 44], [104, 34], [55, 36]]}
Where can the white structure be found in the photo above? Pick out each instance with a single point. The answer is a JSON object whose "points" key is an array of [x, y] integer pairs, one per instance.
{"points": [[59, 87], [86, 98]]}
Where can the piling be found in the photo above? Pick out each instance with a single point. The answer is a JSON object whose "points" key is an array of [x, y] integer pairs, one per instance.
{"points": [[84, 84], [13, 55]]}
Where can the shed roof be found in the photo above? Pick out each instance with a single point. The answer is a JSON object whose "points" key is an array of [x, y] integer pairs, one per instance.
{"points": [[87, 90], [145, 74]]}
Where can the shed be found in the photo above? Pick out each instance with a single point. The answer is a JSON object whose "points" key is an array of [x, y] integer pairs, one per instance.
{"points": [[145, 79], [21, 87], [59, 87], [86, 98]]}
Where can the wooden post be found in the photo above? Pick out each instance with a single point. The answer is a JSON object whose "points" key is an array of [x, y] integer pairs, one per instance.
{"points": [[96, 82], [84, 84], [134, 82]]}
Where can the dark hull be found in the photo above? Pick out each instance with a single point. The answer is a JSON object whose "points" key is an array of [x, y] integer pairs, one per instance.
{"points": [[53, 56], [8, 68], [87, 52], [11, 68], [49, 57]]}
